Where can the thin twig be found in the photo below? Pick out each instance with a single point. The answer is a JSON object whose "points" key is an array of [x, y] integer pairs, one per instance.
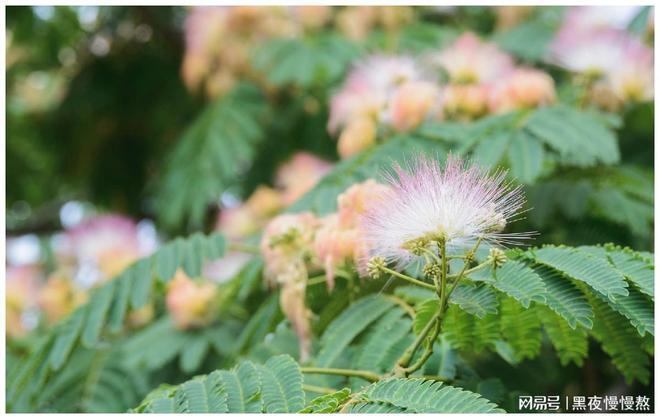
{"points": [[367, 375], [318, 389], [408, 278]]}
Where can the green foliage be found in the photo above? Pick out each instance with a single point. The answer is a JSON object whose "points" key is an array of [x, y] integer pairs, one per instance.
{"points": [[310, 62], [275, 387], [103, 316], [421, 396], [348, 325], [520, 282], [584, 267], [215, 150], [328, 403]]}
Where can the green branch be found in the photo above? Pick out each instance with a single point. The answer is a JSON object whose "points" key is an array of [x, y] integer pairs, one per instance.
{"points": [[407, 278], [367, 375]]}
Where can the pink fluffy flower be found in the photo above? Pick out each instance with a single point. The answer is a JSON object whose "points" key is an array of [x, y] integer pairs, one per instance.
{"points": [[339, 240], [618, 61], [524, 88], [370, 86], [472, 61], [107, 244], [190, 303], [600, 17], [458, 203], [298, 175]]}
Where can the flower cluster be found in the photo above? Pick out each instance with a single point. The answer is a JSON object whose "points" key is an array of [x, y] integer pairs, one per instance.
{"points": [[483, 79], [398, 93], [293, 179], [615, 66], [86, 255], [295, 244], [390, 90], [219, 39], [190, 303]]}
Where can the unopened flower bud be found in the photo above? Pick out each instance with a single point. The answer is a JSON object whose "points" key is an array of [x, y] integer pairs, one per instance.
{"points": [[432, 270], [375, 267], [497, 257]]}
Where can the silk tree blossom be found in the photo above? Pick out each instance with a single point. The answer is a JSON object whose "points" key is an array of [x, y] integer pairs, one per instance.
{"points": [[614, 60], [286, 247], [21, 290], [372, 86], [105, 245], [339, 240], [299, 174], [524, 88], [190, 303], [457, 205], [589, 18], [470, 60]]}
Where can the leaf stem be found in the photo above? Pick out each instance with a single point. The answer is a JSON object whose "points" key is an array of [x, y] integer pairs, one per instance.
{"points": [[318, 389], [407, 278], [367, 375]]}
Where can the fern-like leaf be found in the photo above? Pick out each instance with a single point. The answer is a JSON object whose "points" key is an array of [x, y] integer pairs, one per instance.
{"points": [[281, 382], [582, 266], [520, 282], [348, 325], [415, 395]]}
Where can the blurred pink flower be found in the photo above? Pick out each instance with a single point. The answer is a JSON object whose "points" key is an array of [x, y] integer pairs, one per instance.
{"points": [[587, 18], [614, 59], [412, 103], [107, 242], [299, 175], [339, 240], [524, 88], [370, 86], [286, 247], [359, 135], [21, 292], [465, 101], [190, 303], [470, 60]]}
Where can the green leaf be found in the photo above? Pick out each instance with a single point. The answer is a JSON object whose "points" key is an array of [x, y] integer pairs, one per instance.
{"points": [[580, 137], [529, 40], [393, 326], [415, 395], [215, 150], [570, 343], [582, 266], [490, 151], [327, 403], [98, 310], [637, 308], [478, 300], [414, 294], [525, 157], [620, 341], [565, 299], [521, 328], [67, 335], [193, 353], [348, 325], [424, 313], [635, 269], [243, 387], [316, 60], [205, 395], [520, 282], [142, 283], [281, 382]]}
